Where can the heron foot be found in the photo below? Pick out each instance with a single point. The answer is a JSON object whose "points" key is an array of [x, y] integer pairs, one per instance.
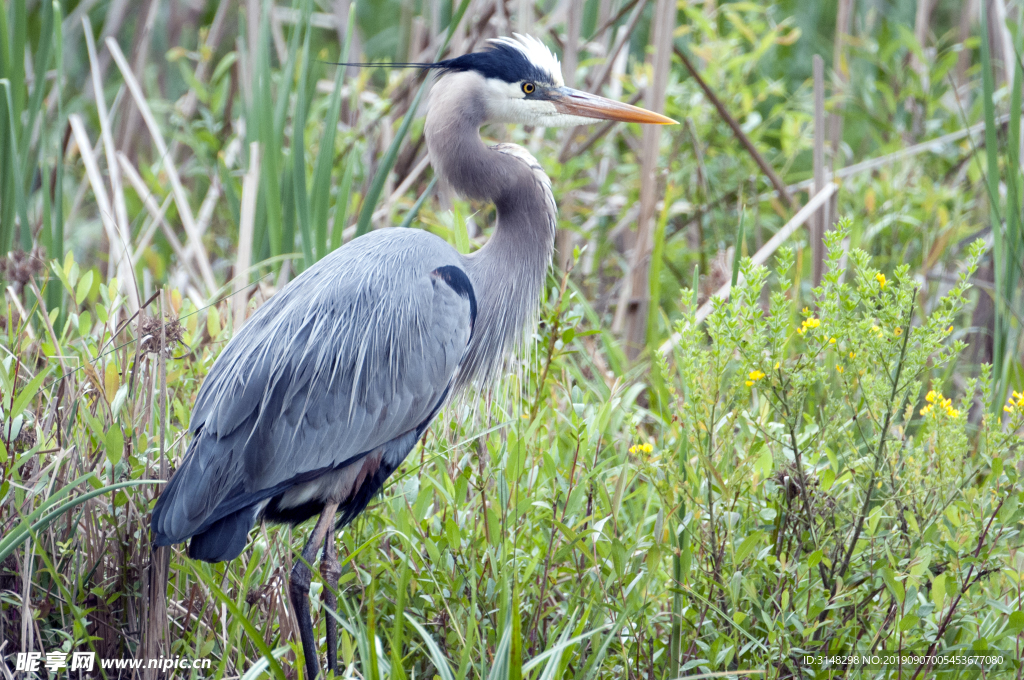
{"points": [[330, 572], [298, 589]]}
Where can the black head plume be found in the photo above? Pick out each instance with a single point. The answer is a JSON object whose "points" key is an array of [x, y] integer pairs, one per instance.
{"points": [[503, 59]]}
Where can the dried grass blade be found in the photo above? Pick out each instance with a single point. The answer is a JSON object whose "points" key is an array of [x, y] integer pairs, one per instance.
{"points": [[180, 197], [246, 229], [113, 168], [157, 213], [120, 248]]}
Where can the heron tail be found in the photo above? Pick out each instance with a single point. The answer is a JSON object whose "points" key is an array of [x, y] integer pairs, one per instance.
{"points": [[225, 539]]}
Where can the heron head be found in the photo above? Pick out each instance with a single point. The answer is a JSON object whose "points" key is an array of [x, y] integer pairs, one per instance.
{"points": [[522, 84]]}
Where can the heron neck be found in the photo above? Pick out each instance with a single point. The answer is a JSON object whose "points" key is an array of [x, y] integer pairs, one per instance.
{"points": [[509, 271]]}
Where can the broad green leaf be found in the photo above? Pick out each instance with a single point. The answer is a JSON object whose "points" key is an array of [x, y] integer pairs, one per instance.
{"points": [[939, 591], [908, 622], [114, 441], [748, 545]]}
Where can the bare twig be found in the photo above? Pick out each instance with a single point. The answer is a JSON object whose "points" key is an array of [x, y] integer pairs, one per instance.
{"points": [[767, 169]]}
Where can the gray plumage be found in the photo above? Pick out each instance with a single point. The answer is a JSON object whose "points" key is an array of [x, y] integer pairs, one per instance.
{"points": [[360, 351], [355, 353], [329, 385]]}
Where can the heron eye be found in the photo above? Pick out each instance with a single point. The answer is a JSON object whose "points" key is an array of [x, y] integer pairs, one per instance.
{"points": [[528, 88]]}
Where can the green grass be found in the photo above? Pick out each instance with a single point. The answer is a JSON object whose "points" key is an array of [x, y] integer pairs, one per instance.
{"points": [[826, 506]]}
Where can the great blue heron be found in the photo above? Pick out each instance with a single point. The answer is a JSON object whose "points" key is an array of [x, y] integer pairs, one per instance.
{"points": [[328, 386]]}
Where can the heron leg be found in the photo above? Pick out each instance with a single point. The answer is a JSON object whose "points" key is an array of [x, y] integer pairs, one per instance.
{"points": [[298, 588], [330, 572]]}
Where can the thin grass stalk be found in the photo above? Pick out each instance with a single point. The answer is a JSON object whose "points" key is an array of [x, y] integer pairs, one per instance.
{"points": [[55, 248], [817, 222], [282, 99], [1000, 257], [398, 630], [299, 143], [321, 191], [411, 215], [16, 73], [263, 126], [17, 193], [41, 64], [373, 672], [515, 658], [1015, 204], [657, 255], [344, 198], [388, 162], [7, 146]]}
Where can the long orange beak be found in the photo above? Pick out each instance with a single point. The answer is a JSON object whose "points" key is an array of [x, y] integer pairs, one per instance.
{"points": [[577, 103]]}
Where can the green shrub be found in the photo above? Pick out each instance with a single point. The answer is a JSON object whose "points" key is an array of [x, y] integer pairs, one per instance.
{"points": [[830, 500]]}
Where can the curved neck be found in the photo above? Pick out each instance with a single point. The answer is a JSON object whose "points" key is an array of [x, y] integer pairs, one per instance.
{"points": [[508, 273]]}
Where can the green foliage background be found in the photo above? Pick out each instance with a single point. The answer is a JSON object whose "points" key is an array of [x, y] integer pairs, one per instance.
{"points": [[812, 470]]}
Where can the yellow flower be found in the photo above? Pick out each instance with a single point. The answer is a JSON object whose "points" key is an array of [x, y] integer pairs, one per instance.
{"points": [[808, 323], [777, 364], [839, 369], [756, 375], [1008, 409], [853, 355], [881, 280], [640, 448], [949, 330], [930, 397], [831, 341], [926, 410], [806, 311], [897, 331]]}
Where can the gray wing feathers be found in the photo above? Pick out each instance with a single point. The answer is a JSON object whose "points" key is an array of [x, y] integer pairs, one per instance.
{"points": [[355, 352]]}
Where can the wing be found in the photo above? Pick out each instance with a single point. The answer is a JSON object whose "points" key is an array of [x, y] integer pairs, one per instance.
{"points": [[358, 350]]}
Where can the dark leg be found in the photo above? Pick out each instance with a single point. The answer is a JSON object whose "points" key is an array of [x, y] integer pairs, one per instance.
{"points": [[298, 588], [330, 572]]}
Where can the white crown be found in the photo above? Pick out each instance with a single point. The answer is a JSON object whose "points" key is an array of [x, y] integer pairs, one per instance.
{"points": [[537, 53]]}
